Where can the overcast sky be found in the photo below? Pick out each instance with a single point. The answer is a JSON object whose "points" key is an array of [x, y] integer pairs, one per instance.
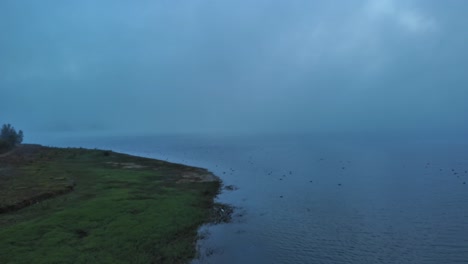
{"points": [[175, 66]]}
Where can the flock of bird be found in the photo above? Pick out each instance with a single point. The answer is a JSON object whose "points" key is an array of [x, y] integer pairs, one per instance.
{"points": [[342, 165]]}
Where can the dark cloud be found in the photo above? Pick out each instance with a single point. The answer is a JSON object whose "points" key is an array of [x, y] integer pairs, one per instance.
{"points": [[234, 66]]}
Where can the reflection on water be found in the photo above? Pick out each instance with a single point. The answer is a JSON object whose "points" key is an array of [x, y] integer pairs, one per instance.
{"points": [[304, 200]]}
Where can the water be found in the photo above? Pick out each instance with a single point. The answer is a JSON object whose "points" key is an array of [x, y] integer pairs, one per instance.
{"points": [[313, 200]]}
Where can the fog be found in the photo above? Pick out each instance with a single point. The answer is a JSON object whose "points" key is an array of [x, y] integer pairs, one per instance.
{"points": [[363, 66]]}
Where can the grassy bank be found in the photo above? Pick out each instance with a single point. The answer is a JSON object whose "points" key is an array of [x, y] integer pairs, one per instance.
{"points": [[93, 206]]}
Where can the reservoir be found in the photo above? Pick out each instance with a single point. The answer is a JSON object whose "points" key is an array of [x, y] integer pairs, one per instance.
{"points": [[309, 199]]}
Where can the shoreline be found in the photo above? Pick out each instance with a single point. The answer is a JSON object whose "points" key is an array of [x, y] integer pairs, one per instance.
{"points": [[101, 206]]}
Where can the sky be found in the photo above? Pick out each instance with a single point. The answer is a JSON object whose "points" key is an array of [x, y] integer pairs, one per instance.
{"points": [[234, 66]]}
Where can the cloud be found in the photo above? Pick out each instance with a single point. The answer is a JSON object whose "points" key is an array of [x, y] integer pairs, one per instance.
{"points": [[227, 65], [353, 37], [407, 17], [415, 22]]}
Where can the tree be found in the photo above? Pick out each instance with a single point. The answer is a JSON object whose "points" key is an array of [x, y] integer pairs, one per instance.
{"points": [[9, 136]]}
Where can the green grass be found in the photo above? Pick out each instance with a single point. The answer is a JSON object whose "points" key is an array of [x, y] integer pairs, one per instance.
{"points": [[113, 215]]}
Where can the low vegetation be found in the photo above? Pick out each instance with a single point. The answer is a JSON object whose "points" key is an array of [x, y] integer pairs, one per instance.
{"points": [[93, 206]]}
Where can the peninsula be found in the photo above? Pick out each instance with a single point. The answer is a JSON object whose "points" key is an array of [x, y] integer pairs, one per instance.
{"points": [[74, 205]]}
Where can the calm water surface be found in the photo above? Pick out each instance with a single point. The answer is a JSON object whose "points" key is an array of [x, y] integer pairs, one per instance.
{"points": [[310, 200]]}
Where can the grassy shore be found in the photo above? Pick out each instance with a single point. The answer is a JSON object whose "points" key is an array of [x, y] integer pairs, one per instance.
{"points": [[92, 206]]}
